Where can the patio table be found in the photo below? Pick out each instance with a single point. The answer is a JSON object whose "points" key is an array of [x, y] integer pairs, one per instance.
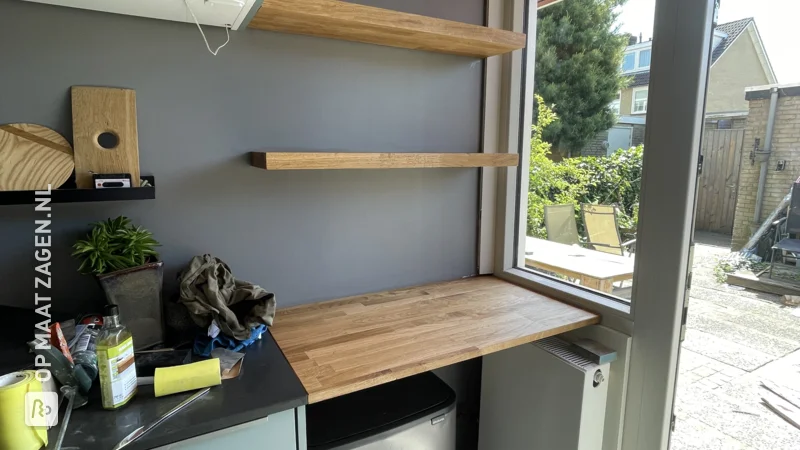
{"points": [[596, 270]]}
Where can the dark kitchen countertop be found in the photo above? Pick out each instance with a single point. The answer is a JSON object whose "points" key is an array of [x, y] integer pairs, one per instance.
{"points": [[266, 386]]}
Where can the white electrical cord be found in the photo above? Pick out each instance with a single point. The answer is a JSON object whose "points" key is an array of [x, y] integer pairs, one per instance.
{"points": [[197, 22]]}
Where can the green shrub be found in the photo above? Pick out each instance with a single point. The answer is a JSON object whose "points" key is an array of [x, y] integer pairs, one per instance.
{"points": [[115, 245], [614, 179]]}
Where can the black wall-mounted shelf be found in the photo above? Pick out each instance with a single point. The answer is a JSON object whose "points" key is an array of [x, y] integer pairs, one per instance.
{"points": [[82, 195]]}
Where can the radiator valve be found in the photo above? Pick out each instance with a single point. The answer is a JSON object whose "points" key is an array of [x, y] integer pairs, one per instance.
{"points": [[598, 378]]}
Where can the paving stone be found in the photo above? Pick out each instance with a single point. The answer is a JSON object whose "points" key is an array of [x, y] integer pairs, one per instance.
{"points": [[785, 327], [692, 434], [707, 384], [690, 360], [704, 371], [736, 411], [689, 377], [720, 378], [712, 242], [745, 302], [712, 320], [707, 280], [731, 371], [731, 353], [732, 331], [784, 372], [748, 389]]}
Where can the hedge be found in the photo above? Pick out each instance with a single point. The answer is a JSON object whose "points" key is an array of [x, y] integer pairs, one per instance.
{"points": [[614, 179]]}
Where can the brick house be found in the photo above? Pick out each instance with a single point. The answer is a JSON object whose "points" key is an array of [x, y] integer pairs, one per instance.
{"points": [[783, 166], [738, 60]]}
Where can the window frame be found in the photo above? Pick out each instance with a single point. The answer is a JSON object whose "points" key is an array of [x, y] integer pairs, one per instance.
{"points": [[633, 99], [679, 73]]}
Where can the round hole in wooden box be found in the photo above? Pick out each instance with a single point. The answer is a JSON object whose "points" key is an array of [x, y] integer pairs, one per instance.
{"points": [[108, 140]]}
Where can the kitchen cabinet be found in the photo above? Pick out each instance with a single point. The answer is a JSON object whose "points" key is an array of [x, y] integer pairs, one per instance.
{"points": [[275, 432]]}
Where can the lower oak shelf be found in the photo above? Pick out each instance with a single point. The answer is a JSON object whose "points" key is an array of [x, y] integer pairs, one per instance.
{"points": [[82, 195], [334, 160], [345, 345]]}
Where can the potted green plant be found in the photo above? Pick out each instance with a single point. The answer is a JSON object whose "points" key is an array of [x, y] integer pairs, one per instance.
{"points": [[123, 258]]}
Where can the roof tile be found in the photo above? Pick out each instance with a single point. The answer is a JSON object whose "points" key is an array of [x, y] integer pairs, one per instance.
{"points": [[733, 30]]}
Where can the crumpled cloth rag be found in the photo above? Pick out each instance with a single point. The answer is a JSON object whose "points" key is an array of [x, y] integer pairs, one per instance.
{"points": [[210, 292]]}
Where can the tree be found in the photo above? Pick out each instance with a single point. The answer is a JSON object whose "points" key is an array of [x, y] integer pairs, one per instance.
{"points": [[578, 58]]}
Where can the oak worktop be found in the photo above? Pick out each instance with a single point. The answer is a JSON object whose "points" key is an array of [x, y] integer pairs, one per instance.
{"points": [[342, 346]]}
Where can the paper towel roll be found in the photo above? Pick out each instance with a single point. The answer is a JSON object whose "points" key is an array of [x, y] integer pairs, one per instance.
{"points": [[14, 433]]}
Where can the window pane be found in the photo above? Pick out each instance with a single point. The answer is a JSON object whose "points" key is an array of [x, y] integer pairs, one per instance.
{"points": [[640, 101], [644, 58], [614, 107], [580, 209], [628, 61]]}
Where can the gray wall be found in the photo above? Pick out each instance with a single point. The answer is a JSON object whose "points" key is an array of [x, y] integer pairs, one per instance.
{"points": [[307, 235]]}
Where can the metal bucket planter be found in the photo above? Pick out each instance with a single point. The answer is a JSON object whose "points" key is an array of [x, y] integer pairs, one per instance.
{"points": [[137, 292]]}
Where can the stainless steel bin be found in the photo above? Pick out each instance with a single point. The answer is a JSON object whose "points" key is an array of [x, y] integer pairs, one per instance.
{"points": [[414, 413]]}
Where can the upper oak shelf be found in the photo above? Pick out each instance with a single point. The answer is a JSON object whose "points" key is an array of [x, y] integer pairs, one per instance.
{"points": [[332, 160], [336, 19]]}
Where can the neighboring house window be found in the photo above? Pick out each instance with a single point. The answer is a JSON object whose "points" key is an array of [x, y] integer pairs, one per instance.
{"points": [[628, 62], [639, 101], [636, 60], [614, 105], [724, 124], [644, 58]]}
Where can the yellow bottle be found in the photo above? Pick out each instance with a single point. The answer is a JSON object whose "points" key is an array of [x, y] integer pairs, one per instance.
{"points": [[115, 360]]}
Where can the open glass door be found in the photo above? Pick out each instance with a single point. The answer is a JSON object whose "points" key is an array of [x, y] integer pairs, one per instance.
{"points": [[739, 342]]}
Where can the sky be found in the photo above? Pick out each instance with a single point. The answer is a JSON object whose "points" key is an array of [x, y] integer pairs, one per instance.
{"points": [[777, 22]]}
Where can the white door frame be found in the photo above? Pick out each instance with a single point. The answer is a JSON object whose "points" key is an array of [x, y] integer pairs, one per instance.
{"points": [[678, 79], [676, 104]]}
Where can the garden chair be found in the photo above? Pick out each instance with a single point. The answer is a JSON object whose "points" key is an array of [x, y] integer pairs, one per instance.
{"points": [[602, 230], [785, 242], [559, 220]]}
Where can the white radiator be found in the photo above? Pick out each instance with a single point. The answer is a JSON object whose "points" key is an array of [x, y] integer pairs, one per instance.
{"points": [[542, 396]]}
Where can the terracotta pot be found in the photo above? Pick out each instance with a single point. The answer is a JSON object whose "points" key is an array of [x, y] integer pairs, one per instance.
{"points": [[137, 292]]}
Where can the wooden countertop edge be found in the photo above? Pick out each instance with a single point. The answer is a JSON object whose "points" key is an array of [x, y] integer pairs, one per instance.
{"points": [[456, 357]]}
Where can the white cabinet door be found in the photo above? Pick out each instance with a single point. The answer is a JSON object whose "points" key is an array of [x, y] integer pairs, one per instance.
{"points": [[276, 432]]}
